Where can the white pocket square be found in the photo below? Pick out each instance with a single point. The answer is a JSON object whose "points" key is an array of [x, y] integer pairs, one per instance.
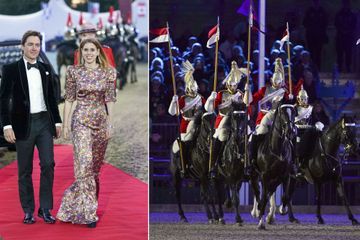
{"points": [[47, 73]]}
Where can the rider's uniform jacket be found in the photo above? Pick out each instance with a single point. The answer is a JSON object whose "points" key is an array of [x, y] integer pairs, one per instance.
{"points": [[265, 96], [189, 106], [223, 102], [303, 117]]}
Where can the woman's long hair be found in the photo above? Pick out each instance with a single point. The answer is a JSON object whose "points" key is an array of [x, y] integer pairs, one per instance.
{"points": [[101, 59]]}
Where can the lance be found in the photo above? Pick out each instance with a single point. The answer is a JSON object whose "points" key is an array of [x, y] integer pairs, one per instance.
{"points": [[288, 55], [246, 162], [214, 87], [177, 104]]}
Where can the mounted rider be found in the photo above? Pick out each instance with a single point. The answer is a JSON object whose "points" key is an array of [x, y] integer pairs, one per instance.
{"points": [[269, 98], [223, 101], [305, 124], [190, 106]]}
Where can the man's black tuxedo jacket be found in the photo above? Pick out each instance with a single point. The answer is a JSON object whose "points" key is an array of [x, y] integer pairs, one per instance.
{"points": [[14, 87]]}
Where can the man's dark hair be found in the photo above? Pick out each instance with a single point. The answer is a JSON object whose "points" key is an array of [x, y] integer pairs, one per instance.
{"points": [[29, 34]]}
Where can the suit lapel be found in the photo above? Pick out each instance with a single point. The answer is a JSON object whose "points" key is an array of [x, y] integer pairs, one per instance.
{"points": [[23, 77], [43, 77]]}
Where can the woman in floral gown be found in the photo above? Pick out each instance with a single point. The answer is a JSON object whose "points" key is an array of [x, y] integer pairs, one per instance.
{"points": [[90, 90]]}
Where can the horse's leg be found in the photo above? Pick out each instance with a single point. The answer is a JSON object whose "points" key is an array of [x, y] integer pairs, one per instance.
{"points": [[228, 203], [289, 184], [219, 187], [212, 195], [133, 70], [262, 204], [341, 192], [177, 183], [235, 200], [318, 202], [290, 191], [204, 187], [255, 187], [270, 218]]}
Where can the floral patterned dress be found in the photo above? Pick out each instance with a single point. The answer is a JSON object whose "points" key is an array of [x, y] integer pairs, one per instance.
{"points": [[91, 88]]}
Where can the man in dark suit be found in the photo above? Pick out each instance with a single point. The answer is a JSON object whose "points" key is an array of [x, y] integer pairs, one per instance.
{"points": [[30, 117]]}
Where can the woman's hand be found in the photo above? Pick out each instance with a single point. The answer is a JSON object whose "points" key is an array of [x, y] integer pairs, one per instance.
{"points": [[66, 133], [110, 131]]}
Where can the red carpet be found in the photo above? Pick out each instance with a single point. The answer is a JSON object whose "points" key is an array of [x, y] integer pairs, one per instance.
{"points": [[123, 207]]}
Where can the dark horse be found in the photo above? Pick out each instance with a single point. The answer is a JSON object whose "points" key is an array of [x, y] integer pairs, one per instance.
{"points": [[273, 155], [199, 155], [232, 159], [323, 164]]}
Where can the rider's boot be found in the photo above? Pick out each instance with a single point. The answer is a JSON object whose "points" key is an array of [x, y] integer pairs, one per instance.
{"points": [[249, 169]]}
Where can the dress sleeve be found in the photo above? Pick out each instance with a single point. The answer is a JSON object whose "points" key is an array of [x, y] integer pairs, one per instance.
{"points": [[110, 93], [70, 85]]}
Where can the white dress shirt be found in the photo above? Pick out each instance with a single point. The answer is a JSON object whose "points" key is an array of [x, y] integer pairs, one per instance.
{"points": [[37, 102]]}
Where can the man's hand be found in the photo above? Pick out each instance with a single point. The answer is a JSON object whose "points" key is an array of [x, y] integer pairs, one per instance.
{"points": [[58, 131], [213, 95], [9, 135]]}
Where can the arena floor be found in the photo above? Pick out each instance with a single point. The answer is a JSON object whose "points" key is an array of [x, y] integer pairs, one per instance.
{"points": [[167, 226]]}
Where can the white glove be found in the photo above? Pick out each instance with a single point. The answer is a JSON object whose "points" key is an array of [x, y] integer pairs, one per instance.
{"points": [[175, 98], [213, 95], [291, 97], [319, 126], [277, 99], [236, 98]]}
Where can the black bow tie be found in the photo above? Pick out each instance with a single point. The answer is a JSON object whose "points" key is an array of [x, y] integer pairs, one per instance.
{"points": [[30, 65]]}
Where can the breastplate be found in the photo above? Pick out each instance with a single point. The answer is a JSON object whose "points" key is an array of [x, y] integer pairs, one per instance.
{"points": [[226, 96]]}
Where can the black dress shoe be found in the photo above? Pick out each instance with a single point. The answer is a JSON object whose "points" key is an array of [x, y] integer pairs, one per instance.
{"points": [[92, 225], [29, 218], [46, 215]]}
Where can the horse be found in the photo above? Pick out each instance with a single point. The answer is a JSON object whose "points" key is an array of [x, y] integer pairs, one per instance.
{"points": [[126, 52], [322, 164], [199, 155], [231, 166], [272, 161]]}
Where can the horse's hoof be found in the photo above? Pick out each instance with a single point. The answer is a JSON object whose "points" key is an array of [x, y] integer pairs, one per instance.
{"points": [[283, 210], [261, 227], [184, 220], [222, 221], [354, 222], [270, 220], [255, 214], [321, 221], [211, 221], [239, 224], [294, 220]]}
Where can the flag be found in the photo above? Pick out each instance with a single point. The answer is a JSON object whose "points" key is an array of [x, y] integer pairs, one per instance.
{"points": [[247, 10], [244, 9], [100, 24], [160, 35], [286, 37], [213, 35], [69, 22], [81, 19], [251, 17], [358, 42], [111, 14]]}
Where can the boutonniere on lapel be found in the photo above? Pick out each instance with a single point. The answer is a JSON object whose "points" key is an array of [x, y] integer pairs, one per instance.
{"points": [[47, 73]]}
